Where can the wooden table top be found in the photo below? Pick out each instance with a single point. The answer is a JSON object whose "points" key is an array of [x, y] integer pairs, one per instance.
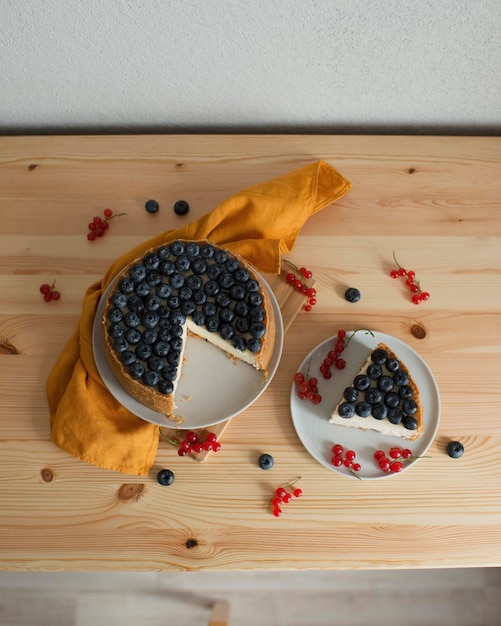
{"points": [[434, 200]]}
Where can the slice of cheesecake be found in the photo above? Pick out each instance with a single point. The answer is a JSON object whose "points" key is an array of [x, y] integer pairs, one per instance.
{"points": [[383, 397]]}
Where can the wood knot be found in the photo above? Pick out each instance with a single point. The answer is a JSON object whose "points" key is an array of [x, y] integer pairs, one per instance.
{"points": [[411, 170], [47, 474], [191, 543], [32, 166], [418, 331], [179, 164], [129, 492], [7, 348]]}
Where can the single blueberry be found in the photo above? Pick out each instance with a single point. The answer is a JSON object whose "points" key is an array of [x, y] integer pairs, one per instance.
{"points": [[176, 330], [127, 357], [115, 315], [242, 309], [401, 378], [119, 300], [242, 325], [178, 319], [207, 251], [177, 248], [183, 263], [379, 356], [156, 364], [351, 394], [199, 297], [163, 313], [256, 314], [164, 334], [385, 383], [185, 293], [198, 318], [221, 256], [169, 372], [153, 278], [163, 253], [361, 382], [395, 415], [226, 280], [173, 358], [165, 386], [132, 319], [266, 461], [346, 409], [222, 299], [410, 422], [126, 285], [373, 396], [238, 342], [392, 365], [150, 335], [152, 206], [255, 299], [181, 207], [257, 330], [226, 331], [226, 314], [150, 319], [241, 275], [253, 345], [209, 309], [136, 370], [143, 351], [231, 265], [405, 392], [352, 294], [117, 330], [409, 407], [192, 249], [165, 477], [455, 449], [212, 323], [374, 371], [237, 292], [161, 348], [133, 336], [151, 261], [392, 400], [173, 302], [199, 266], [188, 307], [163, 290], [167, 267], [363, 409], [379, 411], [193, 282], [211, 287], [152, 303], [151, 378], [135, 303], [120, 345], [252, 286], [142, 290], [214, 271]]}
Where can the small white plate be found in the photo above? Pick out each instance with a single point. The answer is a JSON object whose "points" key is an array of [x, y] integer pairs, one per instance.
{"points": [[311, 421], [213, 388]]}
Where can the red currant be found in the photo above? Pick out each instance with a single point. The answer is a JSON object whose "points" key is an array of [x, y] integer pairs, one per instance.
{"points": [[350, 455], [45, 288], [286, 498], [394, 274], [340, 364], [396, 466], [192, 436], [298, 378], [395, 453], [337, 449], [56, 295], [280, 492], [276, 502], [379, 454], [91, 236], [356, 467], [277, 512], [297, 492], [198, 447], [337, 461], [108, 212], [406, 453]]}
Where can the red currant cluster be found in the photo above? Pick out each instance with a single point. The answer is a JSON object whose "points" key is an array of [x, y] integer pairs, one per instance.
{"points": [[348, 460], [192, 443], [282, 496], [393, 464], [300, 284], [307, 387], [414, 287], [98, 226], [49, 293], [333, 356]]}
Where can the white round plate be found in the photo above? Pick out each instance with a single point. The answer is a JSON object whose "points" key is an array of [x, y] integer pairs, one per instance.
{"points": [[213, 388], [311, 421]]}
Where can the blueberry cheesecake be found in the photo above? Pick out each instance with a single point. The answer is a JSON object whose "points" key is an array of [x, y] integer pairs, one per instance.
{"points": [[183, 288], [382, 397]]}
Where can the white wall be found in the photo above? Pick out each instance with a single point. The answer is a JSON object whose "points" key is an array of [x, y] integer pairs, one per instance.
{"points": [[250, 65]]}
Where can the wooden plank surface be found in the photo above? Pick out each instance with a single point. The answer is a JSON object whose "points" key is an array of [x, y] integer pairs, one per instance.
{"points": [[435, 200]]}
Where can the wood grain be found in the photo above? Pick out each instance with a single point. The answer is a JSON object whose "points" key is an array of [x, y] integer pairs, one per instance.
{"points": [[434, 200]]}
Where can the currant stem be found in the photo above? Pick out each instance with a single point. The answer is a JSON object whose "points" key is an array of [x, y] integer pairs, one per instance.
{"points": [[354, 473], [292, 265], [168, 440], [294, 481], [107, 219], [395, 259], [354, 333]]}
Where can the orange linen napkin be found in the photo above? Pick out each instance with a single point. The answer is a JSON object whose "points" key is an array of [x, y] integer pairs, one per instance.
{"points": [[260, 223]]}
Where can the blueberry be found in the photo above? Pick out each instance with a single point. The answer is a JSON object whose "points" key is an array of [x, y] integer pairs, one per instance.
{"points": [[379, 356], [150, 335], [198, 318], [256, 314], [385, 383], [222, 299], [220, 256], [226, 331], [115, 315], [237, 292], [231, 265], [255, 299], [379, 411], [226, 280], [252, 286], [164, 290], [374, 371], [152, 303], [163, 253], [156, 364], [226, 314], [173, 302], [153, 278], [161, 348], [405, 392], [142, 290], [391, 400], [455, 449], [209, 309], [183, 263], [143, 351], [395, 415], [188, 307], [120, 344], [238, 342], [346, 409], [165, 477], [212, 323], [392, 365], [409, 407], [185, 293], [126, 285], [193, 282], [257, 330], [117, 330], [361, 382], [192, 249], [363, 409], [133, 336], [207, 251], [199, 297], [165, 386], [151, 261], [177, 248], [199, 266], [152, 206], [410, 423], [214, 270], [167, 268], [253, 345], [136, 370], [242, 325], [135, 303], [241, 275], [266, 461], [211, 287], [181, 207], [373, 396], [151, 379], [127, 357], [176, 330], [150, 319], [352, 294], [401, 378], [351, 394], [119, 300], [169, 372], [173, 358], [132, 319]]}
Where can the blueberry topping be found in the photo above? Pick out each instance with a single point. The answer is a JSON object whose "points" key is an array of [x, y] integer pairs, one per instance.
{"points": [[135, 303], [237, 292], [226, 280], [391, 400], [352, 294], [152, 206], [214, 271], [176, 344], [223, 299], [152, 303], [151, 262], [239, 343], [198, 318], [163, 253], [150, 319], [209, 308], [188, 307], [346, 409], [115, 315], [193, 282], [392, 365], [192, 249], [178, 318], [212, 323], [163, 291], [177, 248], [255, 299], [153, 278], [199, 297], [116, 330], [211, 287], [150, 335], [410, 422], [143, 351], [226, 331], [132, 319], [167, 268], [133, 336], [183, 263], [361, 382], [126, 285], [363, 409], [242, 325], [379, 356], [173, 358], [266, 461], [151, 378], [256, 314], [401, 378], [385, 383], [176, 330], [231, 265], [241, 275], [252, 286], [207, 251], [253, 345], [165, 386], [127, 357], [169, 373], [173, 302], [373, 396], [395, 415], [136, 370], [409, 407], [455, 449], [220, 256], [351, 394], [199, 266], [161, 348], [257, 330], [142, 290], [379, 411], [176, 280], [120, 344], [185, 293], [226, 314], [181, 207], [156, 364], [374, 371], [165, 477], [119, 300]]}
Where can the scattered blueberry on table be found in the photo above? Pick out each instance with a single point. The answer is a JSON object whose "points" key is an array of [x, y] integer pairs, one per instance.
{"points": [[455, 449], [181, 207], [352, 294], [266, 461], [165, 477], [152, 206]]}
